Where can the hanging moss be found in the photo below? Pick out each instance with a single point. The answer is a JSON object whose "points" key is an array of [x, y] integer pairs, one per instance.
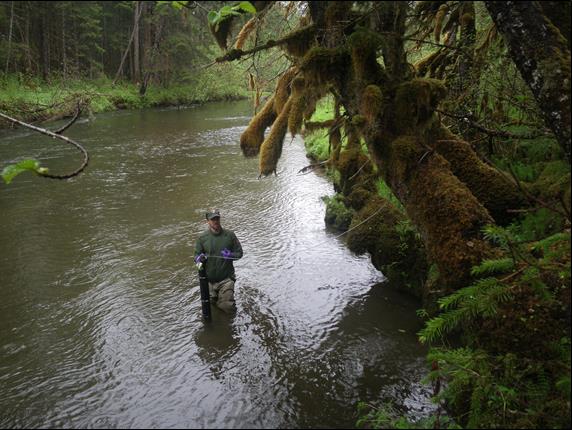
{"points": [[271, 148], [299, 104], [245, 32], [422, 66], [416, 101], [354, 166], [253, 136], [363, 49], [282, 91], [439, 18], [324, 65], [313, 96], [335, 142], [371, 103], [296, 115], [300, 41]]}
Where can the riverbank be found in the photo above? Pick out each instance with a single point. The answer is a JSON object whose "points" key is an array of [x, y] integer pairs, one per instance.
{"points": [[34, 100], [512, 325]]}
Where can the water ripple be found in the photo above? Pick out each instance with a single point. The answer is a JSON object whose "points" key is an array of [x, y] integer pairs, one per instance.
{"points": [[101, 321]]}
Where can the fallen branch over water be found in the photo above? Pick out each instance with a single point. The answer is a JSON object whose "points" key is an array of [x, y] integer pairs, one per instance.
{"points": [[56, 135]]}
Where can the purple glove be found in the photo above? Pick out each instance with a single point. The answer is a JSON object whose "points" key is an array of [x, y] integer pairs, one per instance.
{"points": [[201, 258], [226, 253]]}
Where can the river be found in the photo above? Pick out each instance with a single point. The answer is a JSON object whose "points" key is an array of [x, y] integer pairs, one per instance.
{"points": [[100, 315]]}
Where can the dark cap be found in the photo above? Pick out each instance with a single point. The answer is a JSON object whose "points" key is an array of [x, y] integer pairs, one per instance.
{"points": [[213, 214]]}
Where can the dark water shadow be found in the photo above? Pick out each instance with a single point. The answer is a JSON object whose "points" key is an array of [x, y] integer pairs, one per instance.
{"points": [[217, 339]]}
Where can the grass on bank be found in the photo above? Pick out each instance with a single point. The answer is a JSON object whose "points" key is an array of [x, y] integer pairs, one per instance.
{"points": [[32, 99]]}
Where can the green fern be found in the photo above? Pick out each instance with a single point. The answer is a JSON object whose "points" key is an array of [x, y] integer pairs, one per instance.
{"points": [[489, 267], [546, 243], [465, 306], [497, 235]]}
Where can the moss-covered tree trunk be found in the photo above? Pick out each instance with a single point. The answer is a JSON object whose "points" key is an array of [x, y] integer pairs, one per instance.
{"points": [[541, 54], [401, 133], [396, 115]]}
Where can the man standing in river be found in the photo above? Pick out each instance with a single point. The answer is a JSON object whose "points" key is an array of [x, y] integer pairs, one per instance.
{"points": [[218, 248]]}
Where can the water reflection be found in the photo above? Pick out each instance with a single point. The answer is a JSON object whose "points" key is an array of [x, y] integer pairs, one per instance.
{"points": [[217, 340]]}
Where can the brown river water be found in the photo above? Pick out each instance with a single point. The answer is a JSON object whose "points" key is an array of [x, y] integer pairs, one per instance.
{"points": [[100, 314]]}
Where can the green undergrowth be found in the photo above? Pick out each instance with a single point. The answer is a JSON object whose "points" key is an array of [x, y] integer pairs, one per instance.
{"points": [[514, 368], [36, 100]]}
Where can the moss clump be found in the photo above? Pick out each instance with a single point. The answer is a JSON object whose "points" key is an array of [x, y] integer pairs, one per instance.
{"points": [[358, 121], [358, 197], [271, 148], [382, 230], [299, 103], [338, 215], [282, 91], [416, 101], [553, 182], [363, 48], [337, 12], [496, 192], [423, 65], [371, 103], [322, 66], [355, 168], [300, 41], [404, 152], [253, 136]]}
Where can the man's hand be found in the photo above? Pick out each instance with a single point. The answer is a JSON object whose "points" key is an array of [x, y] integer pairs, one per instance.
{"points": [[201, 258], [226, 253]]}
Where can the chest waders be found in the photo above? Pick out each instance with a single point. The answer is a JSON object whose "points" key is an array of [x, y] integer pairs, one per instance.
{"points": [[205, 295]]}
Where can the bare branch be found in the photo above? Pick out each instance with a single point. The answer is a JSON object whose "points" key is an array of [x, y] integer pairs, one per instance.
{"points": [[74, 119], [54, 136], [499, 133], [309, 168]]}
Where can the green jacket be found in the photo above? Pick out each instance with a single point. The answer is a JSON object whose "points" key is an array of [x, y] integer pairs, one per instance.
{"points": [[212, 244]]}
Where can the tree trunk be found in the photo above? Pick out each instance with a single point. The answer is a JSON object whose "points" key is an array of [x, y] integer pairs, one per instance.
{"points": [[401, 135], [9, 37], [136, 42], [542, 56], [137, 15], [45, 47], [64, 57]]}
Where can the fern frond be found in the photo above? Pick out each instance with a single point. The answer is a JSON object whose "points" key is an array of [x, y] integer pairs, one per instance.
{"points": [[497, 235], [551, 240], [489, 267], [480, 299]]}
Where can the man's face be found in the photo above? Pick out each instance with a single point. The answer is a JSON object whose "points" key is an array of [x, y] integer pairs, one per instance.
{"points": [[214, 224]]}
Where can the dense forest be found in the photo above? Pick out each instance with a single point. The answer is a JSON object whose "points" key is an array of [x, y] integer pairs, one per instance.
{"points": [[445, 127], [116, 55]]}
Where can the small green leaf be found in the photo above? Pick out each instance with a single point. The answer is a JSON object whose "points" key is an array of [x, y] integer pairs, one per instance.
{"points": [[247, 7], [225, 10], [213, 17], [13, 170]]}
